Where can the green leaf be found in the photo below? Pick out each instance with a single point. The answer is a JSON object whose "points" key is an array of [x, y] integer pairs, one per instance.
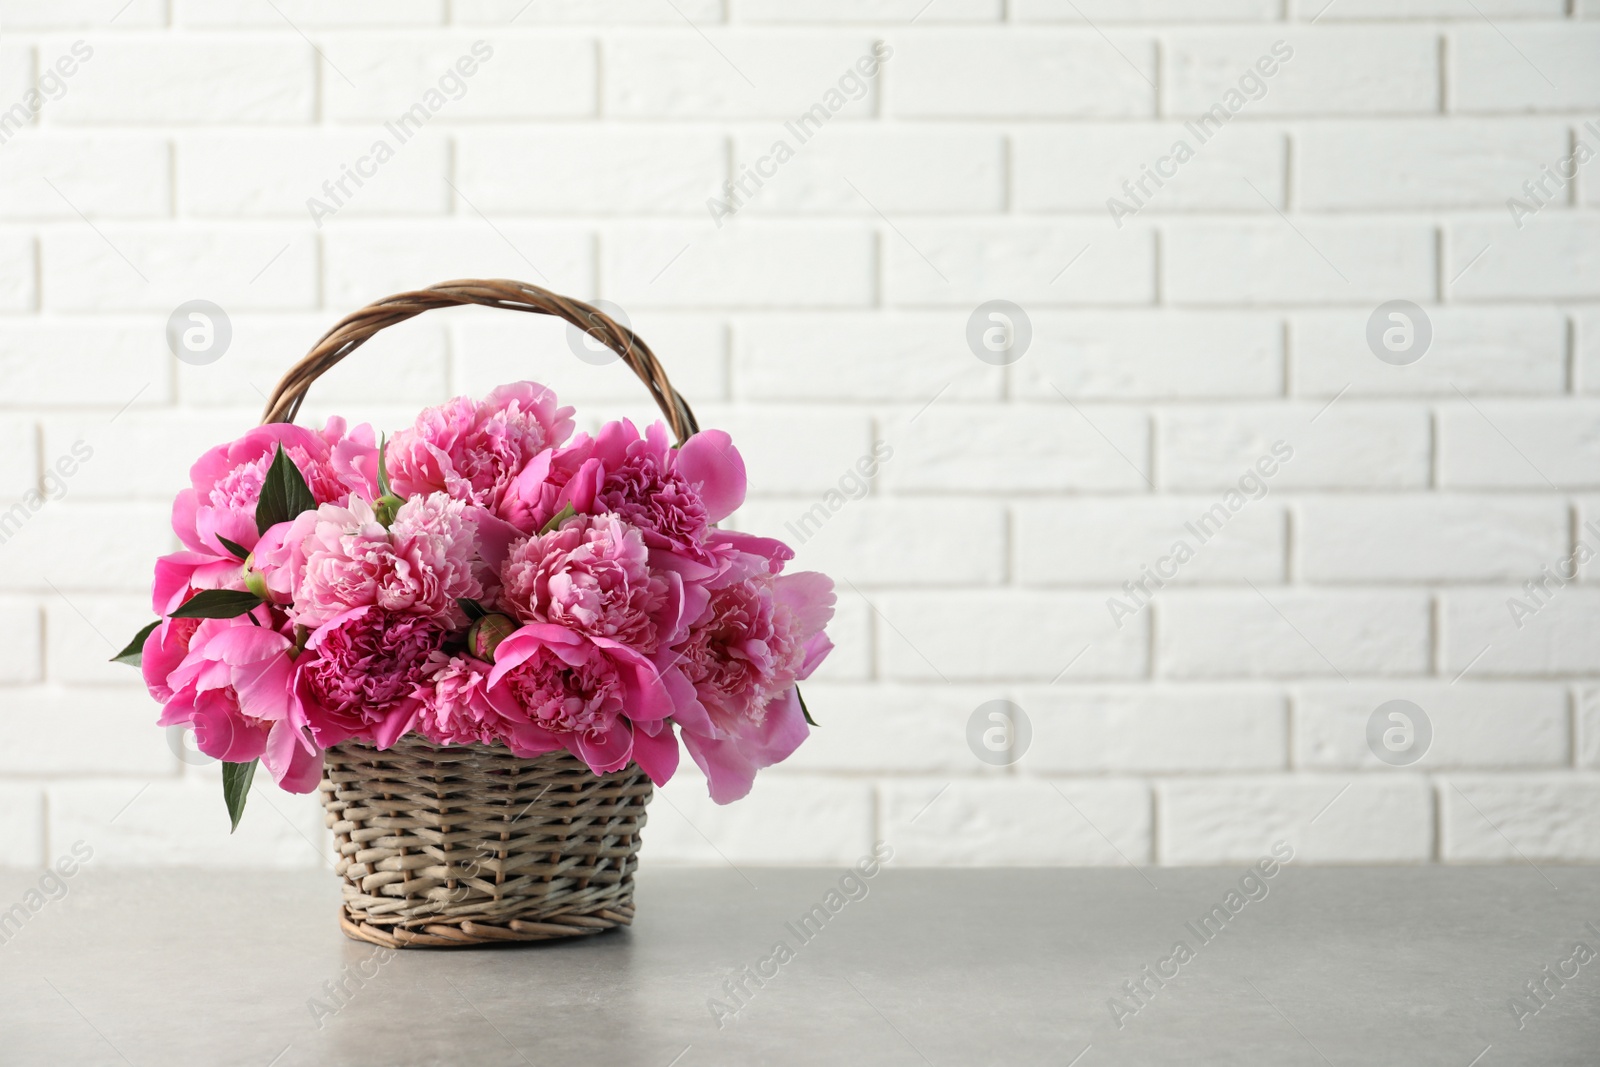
{"points": [[558, 518], [134, 653], [284, 493], [474, 610], [236, 778], [383, 467], [803, 709], [217, 604], [239, 551]]}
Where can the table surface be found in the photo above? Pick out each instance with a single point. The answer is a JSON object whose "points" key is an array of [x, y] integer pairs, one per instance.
{"points": [[1331, 967]]}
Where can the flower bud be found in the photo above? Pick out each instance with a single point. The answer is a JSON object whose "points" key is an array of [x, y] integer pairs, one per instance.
{"points": [[485, 635], [254, 580], [385, 507]]}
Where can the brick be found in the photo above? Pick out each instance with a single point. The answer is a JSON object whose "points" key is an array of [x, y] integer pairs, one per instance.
{"points": [[1042, 74], [896, 728], [548, 76], [83, 14], [123, 363], [1550, 258], [193, 80], [1515, 632], [725, 74], [101, 176], [1348, 446], [777, 265], [19, 285], [860, 356], [620, 171], [269, 175], [19, 457], [1504, 444], [1031, 265], [1110, 541], [83, 547], [850, 630], [82, 636], [889, 167], [1018, 823], [1490, 725], [141, 455], [1486, 351], [1426, 538], [886, 542], [1377, 819], [1587, 734], [1078, 11], [617, 12], [17, 77], [21, 826], [239, 270], [113, 731], [784, 820], [1123, 730], [1524, 68], [490, 349], [791, 450], [364, 261], [1426, 9], [183, 824], [1286, 633], [1523, 819], [1334, 71], [406, 364], [1151, 354], [307, 13], [1082, 167], [991, 449], [1002, 635], [1420, 163], [21, 652], [835, 11], [1271, 263]]}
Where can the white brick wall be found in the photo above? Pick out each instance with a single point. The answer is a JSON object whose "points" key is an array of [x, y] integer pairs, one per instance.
{"points": [[1225, 311]]}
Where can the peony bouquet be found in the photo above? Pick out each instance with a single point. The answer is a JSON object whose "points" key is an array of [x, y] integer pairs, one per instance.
{"points": [[483, 577]]}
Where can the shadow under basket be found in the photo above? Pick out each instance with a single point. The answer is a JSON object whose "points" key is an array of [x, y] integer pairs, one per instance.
{"points": [[472, 846]]}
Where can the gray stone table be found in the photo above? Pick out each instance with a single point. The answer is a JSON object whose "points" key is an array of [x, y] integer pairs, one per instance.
{"points": [[1329, 967]]}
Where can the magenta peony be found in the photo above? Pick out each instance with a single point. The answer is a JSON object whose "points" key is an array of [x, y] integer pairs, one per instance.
{"points": [[362, 672], [754, 640]]}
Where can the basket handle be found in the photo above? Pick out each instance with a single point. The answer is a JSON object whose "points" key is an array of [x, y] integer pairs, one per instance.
{"points": [[355, 329]]}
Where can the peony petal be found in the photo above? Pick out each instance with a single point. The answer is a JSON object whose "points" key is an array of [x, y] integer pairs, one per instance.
{"points": [[657, 756], [292, 760], [709, 461]]}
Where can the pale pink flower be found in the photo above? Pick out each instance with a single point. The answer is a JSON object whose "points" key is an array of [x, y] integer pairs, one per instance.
{"points": [[593, 576], [338, 558], [474, 450]]}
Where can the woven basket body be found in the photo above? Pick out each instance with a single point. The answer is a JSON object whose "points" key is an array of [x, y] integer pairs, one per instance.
{"points": [[463, 846]]}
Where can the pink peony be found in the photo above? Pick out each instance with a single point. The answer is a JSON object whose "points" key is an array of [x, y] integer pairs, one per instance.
{"points": [[362, 672], [602, 701], [755, 639], [233, 687], [338, 558], [473, 451], [672, 496], [225, 483], [593, 576]]}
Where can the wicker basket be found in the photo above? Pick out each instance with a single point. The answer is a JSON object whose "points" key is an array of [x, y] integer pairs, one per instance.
{"points": [[473, 846]]}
